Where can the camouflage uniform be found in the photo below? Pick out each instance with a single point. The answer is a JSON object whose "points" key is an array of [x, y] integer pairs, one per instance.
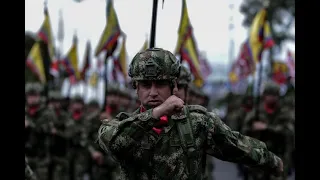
{"points": [[279, 135], [180, 149], [183, 81], [28, 173], [38, 133], [79, 156], [103, 169], [112, 108], [60, 140]]}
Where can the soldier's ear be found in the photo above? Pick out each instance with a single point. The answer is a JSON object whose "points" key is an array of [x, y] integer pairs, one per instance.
{"points": [[175, 88]]}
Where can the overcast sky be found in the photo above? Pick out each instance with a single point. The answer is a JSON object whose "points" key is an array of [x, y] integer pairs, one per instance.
{"points": [[209, 18]]}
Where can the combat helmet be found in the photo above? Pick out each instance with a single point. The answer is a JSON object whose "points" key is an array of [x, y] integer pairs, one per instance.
{"points": [[271, 88], [154, 64], [54, 95], [93, 103], [77, 99], [33, 88], [184, 76]]}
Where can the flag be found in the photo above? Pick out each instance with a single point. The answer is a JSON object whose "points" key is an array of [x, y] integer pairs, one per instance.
{"points": [[93, 81], [46, 35], [35, 62], [70, 62], [145, 45], [111, 33], [280, 71], [122, 59], [190, 54], [185, 27], [260, 36], [86, 61], [186, 46], [205, 67], [291, 63]]}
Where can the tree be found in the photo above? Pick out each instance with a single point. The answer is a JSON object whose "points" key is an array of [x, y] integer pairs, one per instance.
{"points": [[281, 16]]}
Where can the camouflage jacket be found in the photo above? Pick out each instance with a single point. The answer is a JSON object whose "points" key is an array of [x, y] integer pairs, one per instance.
{"points": [[143, 154], [37, 140], [28, 173]]}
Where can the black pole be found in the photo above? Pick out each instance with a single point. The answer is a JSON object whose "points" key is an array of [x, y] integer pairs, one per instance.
{"points": [[106, 81], [153, 23], [259, 79]]}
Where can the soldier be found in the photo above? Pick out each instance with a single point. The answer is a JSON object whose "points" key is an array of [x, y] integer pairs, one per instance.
{"points": [[60, 138], [28, 173], [102, 164], [183, 84], [165, 139], [273, 126], [78, 153], [38, 126], [112, 98]]}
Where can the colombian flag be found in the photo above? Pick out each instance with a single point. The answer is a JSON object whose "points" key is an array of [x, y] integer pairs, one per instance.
{"points": [[111, 33], [70, 62], [260, 36], [86, 61], [35, 62], [46, 35]]}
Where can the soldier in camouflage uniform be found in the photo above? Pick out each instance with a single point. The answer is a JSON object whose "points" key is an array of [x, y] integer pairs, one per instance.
{"points": [[112, 108], [102, 165], [166, 139], [60, 138], [183, 84], [78, 153], [28, 173], [38, 129], [274, 126]]}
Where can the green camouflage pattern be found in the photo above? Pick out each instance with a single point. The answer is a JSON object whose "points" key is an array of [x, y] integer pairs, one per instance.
{"points": [[33, 88], [279, 135], [271, 88], [28, 173], [184, 76], [145, 155], [154, 64], [54, 94]]}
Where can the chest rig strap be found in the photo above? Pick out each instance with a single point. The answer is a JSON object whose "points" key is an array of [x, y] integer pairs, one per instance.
{"points": [[187, 142]]}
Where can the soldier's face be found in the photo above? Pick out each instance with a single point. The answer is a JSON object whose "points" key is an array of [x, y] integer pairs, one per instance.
{"points": [[33, 99], [270, 99], [153, 93]]}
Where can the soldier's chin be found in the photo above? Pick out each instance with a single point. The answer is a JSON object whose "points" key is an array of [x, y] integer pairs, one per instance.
{"points": [[154, 104]]}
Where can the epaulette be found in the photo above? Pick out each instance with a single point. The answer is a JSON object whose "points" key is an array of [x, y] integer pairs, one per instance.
{"points": [[123, 115], [197, 108]]}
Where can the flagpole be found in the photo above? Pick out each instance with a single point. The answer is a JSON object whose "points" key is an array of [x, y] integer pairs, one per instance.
{"points": [[106, 81], [153, 24], [259, 78]]}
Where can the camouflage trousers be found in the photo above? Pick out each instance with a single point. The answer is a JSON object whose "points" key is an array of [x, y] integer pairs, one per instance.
{"points": [[40, 167], [209, 168], [60, 168], [79, 165]]}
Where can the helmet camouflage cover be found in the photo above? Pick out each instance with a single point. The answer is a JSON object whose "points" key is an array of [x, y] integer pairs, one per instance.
{"points": [[33, 88], [184, 77], [271, 88], [154, 64]]}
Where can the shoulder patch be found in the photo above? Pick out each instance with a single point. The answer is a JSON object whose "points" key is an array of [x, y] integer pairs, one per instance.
{"points": [[197, 108], [123, 115]]}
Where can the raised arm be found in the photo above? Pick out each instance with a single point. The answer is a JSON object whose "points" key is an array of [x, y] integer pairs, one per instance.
{"points": [[124, 135], [232, 146]]}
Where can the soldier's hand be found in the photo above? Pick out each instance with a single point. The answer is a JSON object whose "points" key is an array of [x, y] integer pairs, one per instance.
{"points": [[26, 123], [171, 106], [53, 131], [279, 170], [259, 126], [97, 156]]}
